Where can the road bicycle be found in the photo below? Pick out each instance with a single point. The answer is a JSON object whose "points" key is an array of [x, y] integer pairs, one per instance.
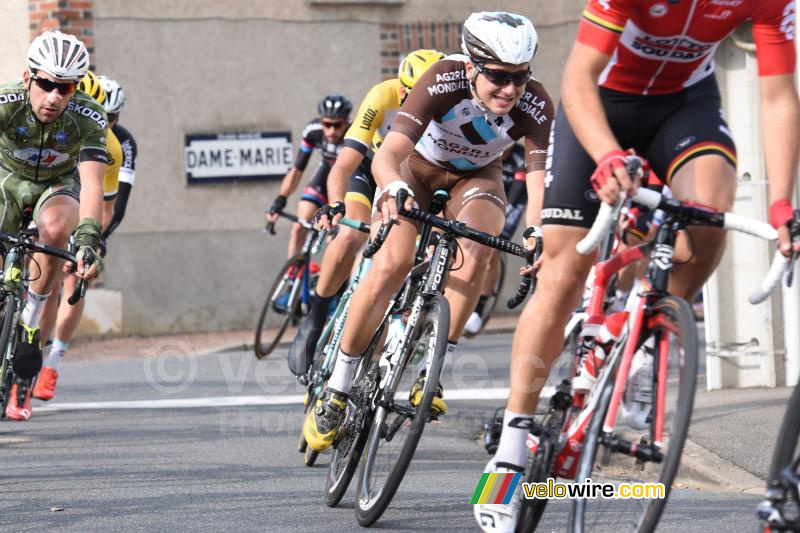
{"points": [[648, 352], [13, 290], [381, 424]]}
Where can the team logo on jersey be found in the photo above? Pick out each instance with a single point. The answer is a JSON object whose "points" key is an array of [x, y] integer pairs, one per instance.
{"points": [[47, 157], [658, 10], [562, 213], [678, 48], [10, 98], [88, 112], [23, 132], [61, 137]]}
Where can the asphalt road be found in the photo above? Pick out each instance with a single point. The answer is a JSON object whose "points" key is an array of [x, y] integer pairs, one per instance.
{"points": [[207, 443]]}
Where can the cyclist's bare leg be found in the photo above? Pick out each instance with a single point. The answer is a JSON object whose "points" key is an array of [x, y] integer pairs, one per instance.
{"points": [[538, 340], [709, 180], [306, 210], [465, 284], [492, 272], [69, 316], [47, 322], [57, 218], [389, 268], [342, 252]]}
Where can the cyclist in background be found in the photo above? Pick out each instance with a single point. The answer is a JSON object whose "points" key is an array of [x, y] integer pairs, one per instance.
{"points": [[451, 133], [52, 154], [362, 140], [664, 103], [327, 134], [514, 176], [117, 183]]}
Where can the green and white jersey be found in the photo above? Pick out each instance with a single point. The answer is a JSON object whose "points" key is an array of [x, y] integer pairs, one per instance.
{"points": [[42, 152]]}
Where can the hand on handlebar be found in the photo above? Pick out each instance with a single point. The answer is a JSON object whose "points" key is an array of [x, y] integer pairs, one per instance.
{"points": [[787, 222], [329, 215], [271, 216], [387, 201], [617, 171], [530, 238]]}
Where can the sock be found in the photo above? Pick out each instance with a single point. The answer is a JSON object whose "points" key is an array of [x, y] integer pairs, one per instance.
{"points": [[511, 449], [57, 351], [342, 378], [34, 304]]}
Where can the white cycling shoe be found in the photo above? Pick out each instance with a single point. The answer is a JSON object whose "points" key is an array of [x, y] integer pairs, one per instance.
{"points": [[473, 325], [499, 518]]}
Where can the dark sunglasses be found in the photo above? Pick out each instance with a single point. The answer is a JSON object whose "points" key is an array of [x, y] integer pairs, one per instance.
{"points": [[501, 77], [47, 86], [334, 125]]}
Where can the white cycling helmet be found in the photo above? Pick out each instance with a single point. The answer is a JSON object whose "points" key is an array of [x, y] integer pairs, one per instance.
{"points": [[115, 96], [61, 55], [499, 37]]}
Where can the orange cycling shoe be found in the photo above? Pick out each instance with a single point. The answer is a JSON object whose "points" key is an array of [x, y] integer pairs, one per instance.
{"points": [[45, 387], [19, 405]]}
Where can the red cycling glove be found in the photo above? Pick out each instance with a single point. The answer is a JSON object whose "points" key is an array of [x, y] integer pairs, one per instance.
{"points": [[606, 166], [780, 213]]}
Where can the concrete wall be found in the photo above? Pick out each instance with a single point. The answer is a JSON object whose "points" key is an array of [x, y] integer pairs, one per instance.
{"points": [[193, 257]]}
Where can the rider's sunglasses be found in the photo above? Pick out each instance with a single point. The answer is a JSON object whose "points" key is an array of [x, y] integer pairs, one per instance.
{"points": [[64, 89], [332, 125], [501, 78]]}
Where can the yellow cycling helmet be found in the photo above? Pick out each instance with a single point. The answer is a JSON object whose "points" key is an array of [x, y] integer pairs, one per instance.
{"points": [[92, 86], [415, 64]]}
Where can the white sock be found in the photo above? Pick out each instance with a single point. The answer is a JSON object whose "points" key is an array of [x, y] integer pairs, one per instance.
{"points": [[57, 351], [342, 378], [34, 304], [511, 449]]}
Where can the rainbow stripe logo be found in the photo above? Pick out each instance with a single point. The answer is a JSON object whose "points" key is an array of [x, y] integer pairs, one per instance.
{"points": [[495, 488]]}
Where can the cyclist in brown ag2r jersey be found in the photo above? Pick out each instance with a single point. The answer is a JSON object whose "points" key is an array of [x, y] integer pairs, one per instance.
{"points": [[450, 133]]}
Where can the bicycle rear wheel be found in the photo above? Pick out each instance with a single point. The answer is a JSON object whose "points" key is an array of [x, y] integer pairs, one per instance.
{"points": [[281, 307], [6, 350], [397, 425], [539, 468], [672, 328]]}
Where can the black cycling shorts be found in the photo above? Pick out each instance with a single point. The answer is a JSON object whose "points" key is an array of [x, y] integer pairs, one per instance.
{"points": [[316, 190], [667, 129]]}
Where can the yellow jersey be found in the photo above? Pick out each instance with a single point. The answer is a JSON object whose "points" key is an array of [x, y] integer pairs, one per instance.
{"points": [[374, 117], [111, 177]]}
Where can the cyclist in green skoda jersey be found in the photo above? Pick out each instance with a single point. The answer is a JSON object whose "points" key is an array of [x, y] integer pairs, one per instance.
{"points": [[52, 156]]}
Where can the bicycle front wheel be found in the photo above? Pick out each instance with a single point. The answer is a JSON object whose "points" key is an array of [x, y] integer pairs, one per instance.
{"points": [[397, 425], [784, 471], [669, 331], [6, 350], [281, 307]]}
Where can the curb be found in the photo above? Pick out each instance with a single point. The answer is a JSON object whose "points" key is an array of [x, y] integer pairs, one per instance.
{"points": [[703, 469]]}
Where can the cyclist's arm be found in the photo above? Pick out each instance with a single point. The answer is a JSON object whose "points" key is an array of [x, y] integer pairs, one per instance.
{"points": [[290, 181], [91, 202], [580, 96], [780, 123], [535, 185], [386, 164], [120, 205], [346, 164]]}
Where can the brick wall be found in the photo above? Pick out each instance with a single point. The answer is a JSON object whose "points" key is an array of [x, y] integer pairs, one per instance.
{"points": [[69, 16], [399, 39]]}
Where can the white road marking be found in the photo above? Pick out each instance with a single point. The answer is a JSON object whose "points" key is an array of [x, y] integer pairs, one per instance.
{"points": [[236, 401]]}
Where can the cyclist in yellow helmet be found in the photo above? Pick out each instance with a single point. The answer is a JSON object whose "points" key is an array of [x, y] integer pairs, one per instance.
{"points": [[362, 140]]}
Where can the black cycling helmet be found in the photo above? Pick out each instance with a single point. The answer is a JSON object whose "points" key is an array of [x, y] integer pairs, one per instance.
{"points": [[334, 105]]}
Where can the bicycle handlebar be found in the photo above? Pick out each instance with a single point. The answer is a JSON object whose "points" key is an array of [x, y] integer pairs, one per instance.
{"points": [[349, 222], [528, 283], [608, 215], [25, 241]]}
